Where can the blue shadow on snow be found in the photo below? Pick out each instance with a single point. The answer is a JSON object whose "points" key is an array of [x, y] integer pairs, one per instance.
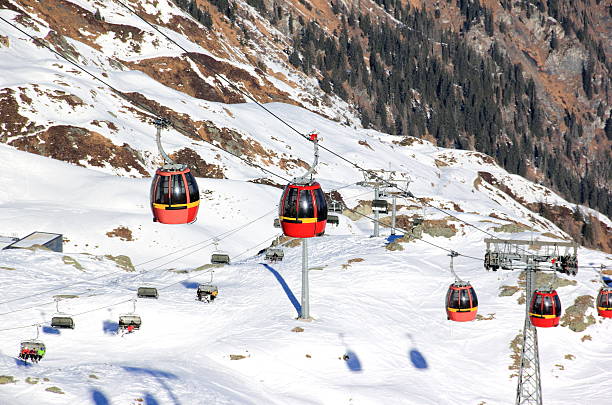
{"points": [[110, 327], [281, 281], [190, 284], [352, 361], [99, 398], [417, 359], [22, 363], [392, 238], [50, 331], [161, 376], [150, 399]]}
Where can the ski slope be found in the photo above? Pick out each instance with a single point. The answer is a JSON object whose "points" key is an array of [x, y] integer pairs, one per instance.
{"points": [[385, 312]]}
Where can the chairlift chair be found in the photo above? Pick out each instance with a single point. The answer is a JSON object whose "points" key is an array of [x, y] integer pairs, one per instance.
{"points": [[127, 320], [275, 254], [207, 292], [333, 219], [32, 344], [277, 223], [61, 320], [131, 319], [220, 258], [382, 206], [147, 292], [335, 206]]}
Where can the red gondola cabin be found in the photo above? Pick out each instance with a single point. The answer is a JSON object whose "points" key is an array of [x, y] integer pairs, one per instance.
{"points": [[545, 309], [461, 302], [303, 210], [175, 197], [604, 302]]}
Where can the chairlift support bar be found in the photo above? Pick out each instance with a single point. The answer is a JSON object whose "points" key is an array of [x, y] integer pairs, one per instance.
{"points": [[306, 178], [170, 164]]}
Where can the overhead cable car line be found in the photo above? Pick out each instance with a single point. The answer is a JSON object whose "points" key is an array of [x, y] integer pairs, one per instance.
{"points": [[153, 115], [218, 237], [305, 136], [221, 77], [128, 300], [26, 308], [406, 232]]}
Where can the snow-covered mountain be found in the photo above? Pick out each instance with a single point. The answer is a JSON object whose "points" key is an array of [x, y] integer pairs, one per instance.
{"points": [[379, 334]]}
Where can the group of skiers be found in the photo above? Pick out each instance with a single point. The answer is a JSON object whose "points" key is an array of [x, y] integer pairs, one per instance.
{"points": [[32, 354]]}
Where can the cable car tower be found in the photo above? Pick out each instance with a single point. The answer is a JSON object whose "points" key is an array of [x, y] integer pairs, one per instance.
{"points": [[502, 256], [375, 179]]}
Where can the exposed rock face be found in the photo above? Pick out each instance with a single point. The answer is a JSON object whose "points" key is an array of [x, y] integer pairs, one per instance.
{"points": [[197, 165], [585, 229], [78, 146]]}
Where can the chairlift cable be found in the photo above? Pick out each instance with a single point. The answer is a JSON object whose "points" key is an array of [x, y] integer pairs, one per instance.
{"points": [[178, 127], [406, 232], [153, 115], [305, 136], [225, 235]]}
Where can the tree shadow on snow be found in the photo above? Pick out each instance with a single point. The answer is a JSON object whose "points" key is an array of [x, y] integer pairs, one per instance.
{"points": [[50, 331], [161, 377], [281, 281], [99, 398], [350, 357], [110, 327], [417, 359], [190, 284]]}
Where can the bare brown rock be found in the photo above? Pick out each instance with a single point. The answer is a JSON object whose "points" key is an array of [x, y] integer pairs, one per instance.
{"points": [[78, 146]]}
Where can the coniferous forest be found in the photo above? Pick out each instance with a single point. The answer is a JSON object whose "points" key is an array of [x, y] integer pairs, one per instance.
{"points": [[406, 77]]}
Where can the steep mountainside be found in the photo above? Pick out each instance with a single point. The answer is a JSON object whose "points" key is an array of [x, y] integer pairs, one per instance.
{"points": [[454, 73]]}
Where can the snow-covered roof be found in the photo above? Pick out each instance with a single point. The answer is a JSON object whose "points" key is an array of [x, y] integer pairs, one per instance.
{"points": [[35, 238], [6, 241]]}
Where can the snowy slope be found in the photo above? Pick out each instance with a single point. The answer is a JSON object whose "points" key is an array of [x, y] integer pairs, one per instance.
{"points": [[386, 312]]}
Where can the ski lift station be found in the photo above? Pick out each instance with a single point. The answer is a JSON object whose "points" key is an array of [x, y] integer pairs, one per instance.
{"points": [[52, 241]]}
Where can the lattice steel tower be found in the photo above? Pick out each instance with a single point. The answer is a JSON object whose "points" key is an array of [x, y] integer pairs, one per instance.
{"points": [[529, 389]]}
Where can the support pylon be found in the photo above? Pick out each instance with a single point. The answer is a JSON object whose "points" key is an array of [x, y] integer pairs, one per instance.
{"points": [[529, 390], [305, 312]]}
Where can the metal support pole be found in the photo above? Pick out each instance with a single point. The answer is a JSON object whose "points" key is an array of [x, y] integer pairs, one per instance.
{"points": [[393, 213], [376, 214], [529, 390], [305, 313]]}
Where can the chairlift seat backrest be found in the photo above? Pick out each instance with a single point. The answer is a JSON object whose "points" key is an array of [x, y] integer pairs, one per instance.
{"points": [[207, 289], [380, 206], [147, 292], [62, 321], [275, 254], [33, 345], [220, 258], [335, 206], [130, 320], [333, 219]]}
